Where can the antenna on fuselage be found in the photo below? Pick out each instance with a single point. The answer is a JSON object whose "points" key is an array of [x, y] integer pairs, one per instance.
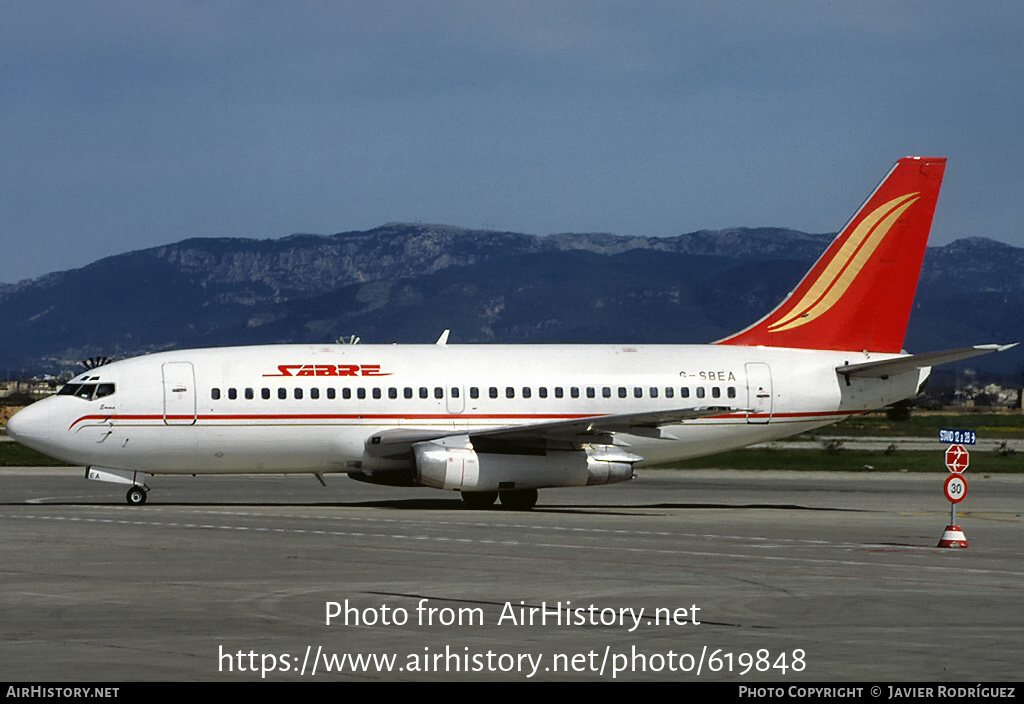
{"points": [[97, 361]]}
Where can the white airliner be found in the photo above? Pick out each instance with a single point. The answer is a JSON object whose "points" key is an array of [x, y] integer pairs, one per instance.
{"points": [[507, 420]]}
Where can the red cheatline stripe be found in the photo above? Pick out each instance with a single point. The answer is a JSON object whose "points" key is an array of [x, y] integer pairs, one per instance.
{"points": [[335, 416], [429, 416]]}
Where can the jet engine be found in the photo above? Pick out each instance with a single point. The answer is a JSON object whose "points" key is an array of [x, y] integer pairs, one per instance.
{"points": [[452, 463]]}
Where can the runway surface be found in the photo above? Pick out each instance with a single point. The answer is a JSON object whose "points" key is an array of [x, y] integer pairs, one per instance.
{"points": [[786, 576]]}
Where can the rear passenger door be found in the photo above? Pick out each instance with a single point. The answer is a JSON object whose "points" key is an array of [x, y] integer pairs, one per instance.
{"points": [[759, 392]]}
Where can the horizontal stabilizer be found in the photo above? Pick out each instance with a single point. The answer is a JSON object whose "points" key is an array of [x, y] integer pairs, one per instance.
{"points": [[899, 365]]}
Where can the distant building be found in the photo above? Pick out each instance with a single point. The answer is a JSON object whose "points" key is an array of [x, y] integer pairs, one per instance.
{"points": [[38, 388]]}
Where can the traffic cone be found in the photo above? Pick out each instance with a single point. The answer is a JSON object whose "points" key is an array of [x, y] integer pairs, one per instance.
{"points": [[953, 537]]}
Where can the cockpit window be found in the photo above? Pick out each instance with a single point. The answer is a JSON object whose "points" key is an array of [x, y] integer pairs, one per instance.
{"points": [[88, 392]]}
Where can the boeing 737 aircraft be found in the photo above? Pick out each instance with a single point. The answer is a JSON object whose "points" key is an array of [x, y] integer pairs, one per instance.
{"points": [[507, 420]]}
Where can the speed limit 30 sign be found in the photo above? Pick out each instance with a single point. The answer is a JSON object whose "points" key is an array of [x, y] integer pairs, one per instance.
{"points": [[955, 487]]}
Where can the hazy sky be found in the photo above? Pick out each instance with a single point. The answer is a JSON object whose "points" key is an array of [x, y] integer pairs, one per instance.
{"points": [[125, 125]]}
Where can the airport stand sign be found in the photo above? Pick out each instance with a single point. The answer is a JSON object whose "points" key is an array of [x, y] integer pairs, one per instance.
{"points": [[950, 436], [957, 459]]}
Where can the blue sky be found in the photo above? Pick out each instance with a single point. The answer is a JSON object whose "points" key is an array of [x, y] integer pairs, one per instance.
{"points": [[134, 124]]}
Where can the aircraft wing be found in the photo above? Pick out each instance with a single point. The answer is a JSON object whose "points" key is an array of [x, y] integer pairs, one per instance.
{"points": [[572, 428], [887, 367], [599, 428]]}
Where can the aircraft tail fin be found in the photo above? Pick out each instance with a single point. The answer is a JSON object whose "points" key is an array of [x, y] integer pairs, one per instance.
{"points": [[858, 295]]}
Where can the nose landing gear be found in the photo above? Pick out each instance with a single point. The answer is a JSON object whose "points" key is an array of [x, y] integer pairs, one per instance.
{"points": [[136, 496]]}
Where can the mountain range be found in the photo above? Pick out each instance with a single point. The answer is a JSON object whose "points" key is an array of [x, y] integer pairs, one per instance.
{"points": [[408, 282]]}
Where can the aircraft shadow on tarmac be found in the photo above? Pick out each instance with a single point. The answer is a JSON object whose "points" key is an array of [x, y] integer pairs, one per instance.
{"points": [[439, 504]]}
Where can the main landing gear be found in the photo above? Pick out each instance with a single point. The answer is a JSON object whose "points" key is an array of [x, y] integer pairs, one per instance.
{"points": [[136, 496], [512, 500]]}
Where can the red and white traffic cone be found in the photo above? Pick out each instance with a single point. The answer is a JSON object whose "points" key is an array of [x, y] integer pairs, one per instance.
{"points": [[953, 537]]}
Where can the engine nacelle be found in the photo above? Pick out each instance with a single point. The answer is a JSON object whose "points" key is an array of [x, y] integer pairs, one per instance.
{"points": [[454, 464]]}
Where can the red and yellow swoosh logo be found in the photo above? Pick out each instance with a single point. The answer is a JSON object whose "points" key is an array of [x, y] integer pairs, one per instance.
{"points": [[833, 282]]}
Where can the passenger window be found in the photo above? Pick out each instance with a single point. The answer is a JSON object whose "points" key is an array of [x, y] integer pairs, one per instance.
{"points": [[474, 392], [249, 394], [282, 393], [331, 393], [298, 394], [424, 392], [232, 394], [438, 392], [360, 393], [542, 392], [510, 392], [314, 393], [590, 392], [622, 392], [606, 391], [265, 393], [407, 392], [669, 392], [215, 394], [654, 392], [684, 392], [558, 392], [392, 392], [732, 392], [526, 392], [493, 392], [346, 393], [700, 392], [376, 392], [455, 392], [574, 392]]}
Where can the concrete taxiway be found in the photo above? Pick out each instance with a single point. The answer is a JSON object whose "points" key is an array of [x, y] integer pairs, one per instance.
{"points": [[695, 575]]}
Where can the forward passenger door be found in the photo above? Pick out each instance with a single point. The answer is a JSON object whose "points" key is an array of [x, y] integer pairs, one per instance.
{"points": [[179, 393]]}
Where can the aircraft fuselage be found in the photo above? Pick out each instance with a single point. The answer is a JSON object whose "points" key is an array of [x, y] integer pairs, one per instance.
{"points": [[294, 408]]}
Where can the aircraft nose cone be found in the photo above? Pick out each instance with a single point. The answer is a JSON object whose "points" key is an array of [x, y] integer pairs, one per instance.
{"points": [[15, 426], [26, 423]]}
